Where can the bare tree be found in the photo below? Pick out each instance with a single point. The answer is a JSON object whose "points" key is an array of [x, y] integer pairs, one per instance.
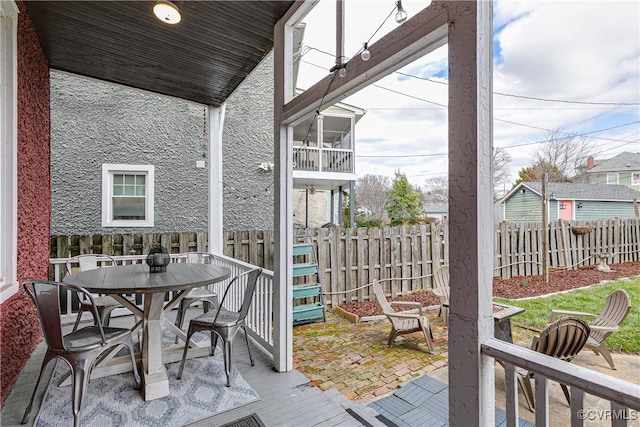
{"points": [[438, 188], [563, 153], [500, 161], [371, 194]]}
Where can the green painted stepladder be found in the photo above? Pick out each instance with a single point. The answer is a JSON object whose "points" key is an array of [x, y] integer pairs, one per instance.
{"points": [[308, 302]]}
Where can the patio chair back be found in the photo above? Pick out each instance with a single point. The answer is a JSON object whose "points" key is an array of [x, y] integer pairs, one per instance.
{"points": [[615, 310], [563, 338], [46, 297]]}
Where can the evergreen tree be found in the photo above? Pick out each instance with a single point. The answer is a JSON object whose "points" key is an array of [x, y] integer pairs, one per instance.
{"points": [[405, 206]]}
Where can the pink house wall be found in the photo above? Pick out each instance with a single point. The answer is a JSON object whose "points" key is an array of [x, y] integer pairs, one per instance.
{"points": [[19, 325]]}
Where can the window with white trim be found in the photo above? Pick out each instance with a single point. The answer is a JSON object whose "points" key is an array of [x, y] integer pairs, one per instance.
{"points": [[635, 178], [8, 149], [612, 178], [127, 195]]}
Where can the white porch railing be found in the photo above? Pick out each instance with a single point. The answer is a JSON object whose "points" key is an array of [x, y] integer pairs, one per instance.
{"points": [[622, 394], [259, 319], [323, 160]]}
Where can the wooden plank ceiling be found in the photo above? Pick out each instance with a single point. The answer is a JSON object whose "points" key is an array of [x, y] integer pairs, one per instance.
{"points": [[203, 58]]}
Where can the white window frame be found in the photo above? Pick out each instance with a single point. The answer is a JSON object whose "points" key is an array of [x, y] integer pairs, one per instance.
{"points": [[612, 178], [108, 170], [635, 178], [8, 149]]}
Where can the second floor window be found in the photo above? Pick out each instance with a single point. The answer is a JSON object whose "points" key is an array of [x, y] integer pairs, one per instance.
{"points": [[612, 178], [127, 195], [635, 178]]}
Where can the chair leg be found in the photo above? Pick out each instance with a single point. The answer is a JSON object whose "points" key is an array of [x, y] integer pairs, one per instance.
{"points": [[392, 336], [567, 396], [246, 337], [75, 325], [525, 385], [604, 351], [27, 411], [136, 374], [184, 352], [228, 345], [180, 317], [80, 371], [426, 330]]}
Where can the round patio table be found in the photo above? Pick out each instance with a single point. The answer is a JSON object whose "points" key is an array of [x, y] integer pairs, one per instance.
{"points": [[137, 278]]}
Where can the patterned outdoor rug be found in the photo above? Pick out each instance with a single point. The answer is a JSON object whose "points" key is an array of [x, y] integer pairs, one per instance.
{"points": [[113, 400]]}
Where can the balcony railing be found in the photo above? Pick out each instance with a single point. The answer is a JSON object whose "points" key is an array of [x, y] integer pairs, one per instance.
{"points": [[622, 394], [323, 160], [259, 319]]}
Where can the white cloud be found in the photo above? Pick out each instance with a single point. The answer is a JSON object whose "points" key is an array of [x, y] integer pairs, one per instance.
{"points": [[587, 51]]}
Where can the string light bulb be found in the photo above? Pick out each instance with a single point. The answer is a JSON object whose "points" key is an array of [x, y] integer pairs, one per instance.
{"points": [[365, 55], [401, 14], [343, 71]]}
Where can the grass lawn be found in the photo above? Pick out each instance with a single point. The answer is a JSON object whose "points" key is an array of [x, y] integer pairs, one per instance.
{"points": [[538, 311]]}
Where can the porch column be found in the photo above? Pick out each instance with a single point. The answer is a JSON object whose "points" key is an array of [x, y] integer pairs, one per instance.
{"points": [[216, 217], [471, 375]]}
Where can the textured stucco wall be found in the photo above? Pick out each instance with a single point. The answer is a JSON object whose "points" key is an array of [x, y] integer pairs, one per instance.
{"points": [[247, 142], [19, 325], [95, 122]]}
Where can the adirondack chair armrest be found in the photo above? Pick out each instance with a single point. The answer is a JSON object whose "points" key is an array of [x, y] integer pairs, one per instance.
{"points": [[559, 313], [415, 304], [605, 328], [403, 315]]}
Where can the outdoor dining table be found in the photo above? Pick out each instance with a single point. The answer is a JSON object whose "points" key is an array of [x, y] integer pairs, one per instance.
{"points": [[502, 315], [137, 279]]}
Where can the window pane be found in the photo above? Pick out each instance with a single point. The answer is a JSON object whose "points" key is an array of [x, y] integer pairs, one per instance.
{"points": [[128, 208], [140, 179], [140, 191], [118, 179], [130, 179], [117, 190]]}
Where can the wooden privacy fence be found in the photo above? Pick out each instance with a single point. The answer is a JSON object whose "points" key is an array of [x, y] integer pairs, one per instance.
{"points": [[572, 244], [349, 260]]}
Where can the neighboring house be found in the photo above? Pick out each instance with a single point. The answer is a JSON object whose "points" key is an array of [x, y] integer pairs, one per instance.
{"points": [[439, 211], [324, 165], [623, 169], [570, 202]]}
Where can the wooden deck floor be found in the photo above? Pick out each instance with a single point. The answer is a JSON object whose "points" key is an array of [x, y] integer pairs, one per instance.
{"points": [[285, 398]]}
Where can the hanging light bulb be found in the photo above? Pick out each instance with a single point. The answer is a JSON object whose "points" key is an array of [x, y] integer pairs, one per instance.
{"points": [[365, 55], [401, 14], [343, 70]]}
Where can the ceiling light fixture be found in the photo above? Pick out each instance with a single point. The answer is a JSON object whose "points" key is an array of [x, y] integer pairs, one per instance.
{"points": [[401, 14], [167, 12]]}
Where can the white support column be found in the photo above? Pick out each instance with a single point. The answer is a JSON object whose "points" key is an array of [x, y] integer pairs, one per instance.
{"points": [[471, 375], [216, 217], [283, 203]]}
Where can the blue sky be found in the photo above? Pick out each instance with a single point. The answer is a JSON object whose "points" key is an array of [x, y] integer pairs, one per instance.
{"points": [[572, 66]]}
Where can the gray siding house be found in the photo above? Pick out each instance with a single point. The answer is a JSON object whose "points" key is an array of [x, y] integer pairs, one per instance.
{"points": [[572, 202], [623, 169]]}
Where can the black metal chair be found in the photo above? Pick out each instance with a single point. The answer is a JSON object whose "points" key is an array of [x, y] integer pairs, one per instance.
{"points": [[225, 322], [80, 348], [105, 304], [208, 297]]}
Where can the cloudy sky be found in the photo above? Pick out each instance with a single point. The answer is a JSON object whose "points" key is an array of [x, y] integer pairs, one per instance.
{"points": [[572, 66]]}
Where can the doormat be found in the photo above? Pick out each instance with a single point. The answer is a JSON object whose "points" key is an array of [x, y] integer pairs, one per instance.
{"points": [[114, 400], [249, 421]]}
